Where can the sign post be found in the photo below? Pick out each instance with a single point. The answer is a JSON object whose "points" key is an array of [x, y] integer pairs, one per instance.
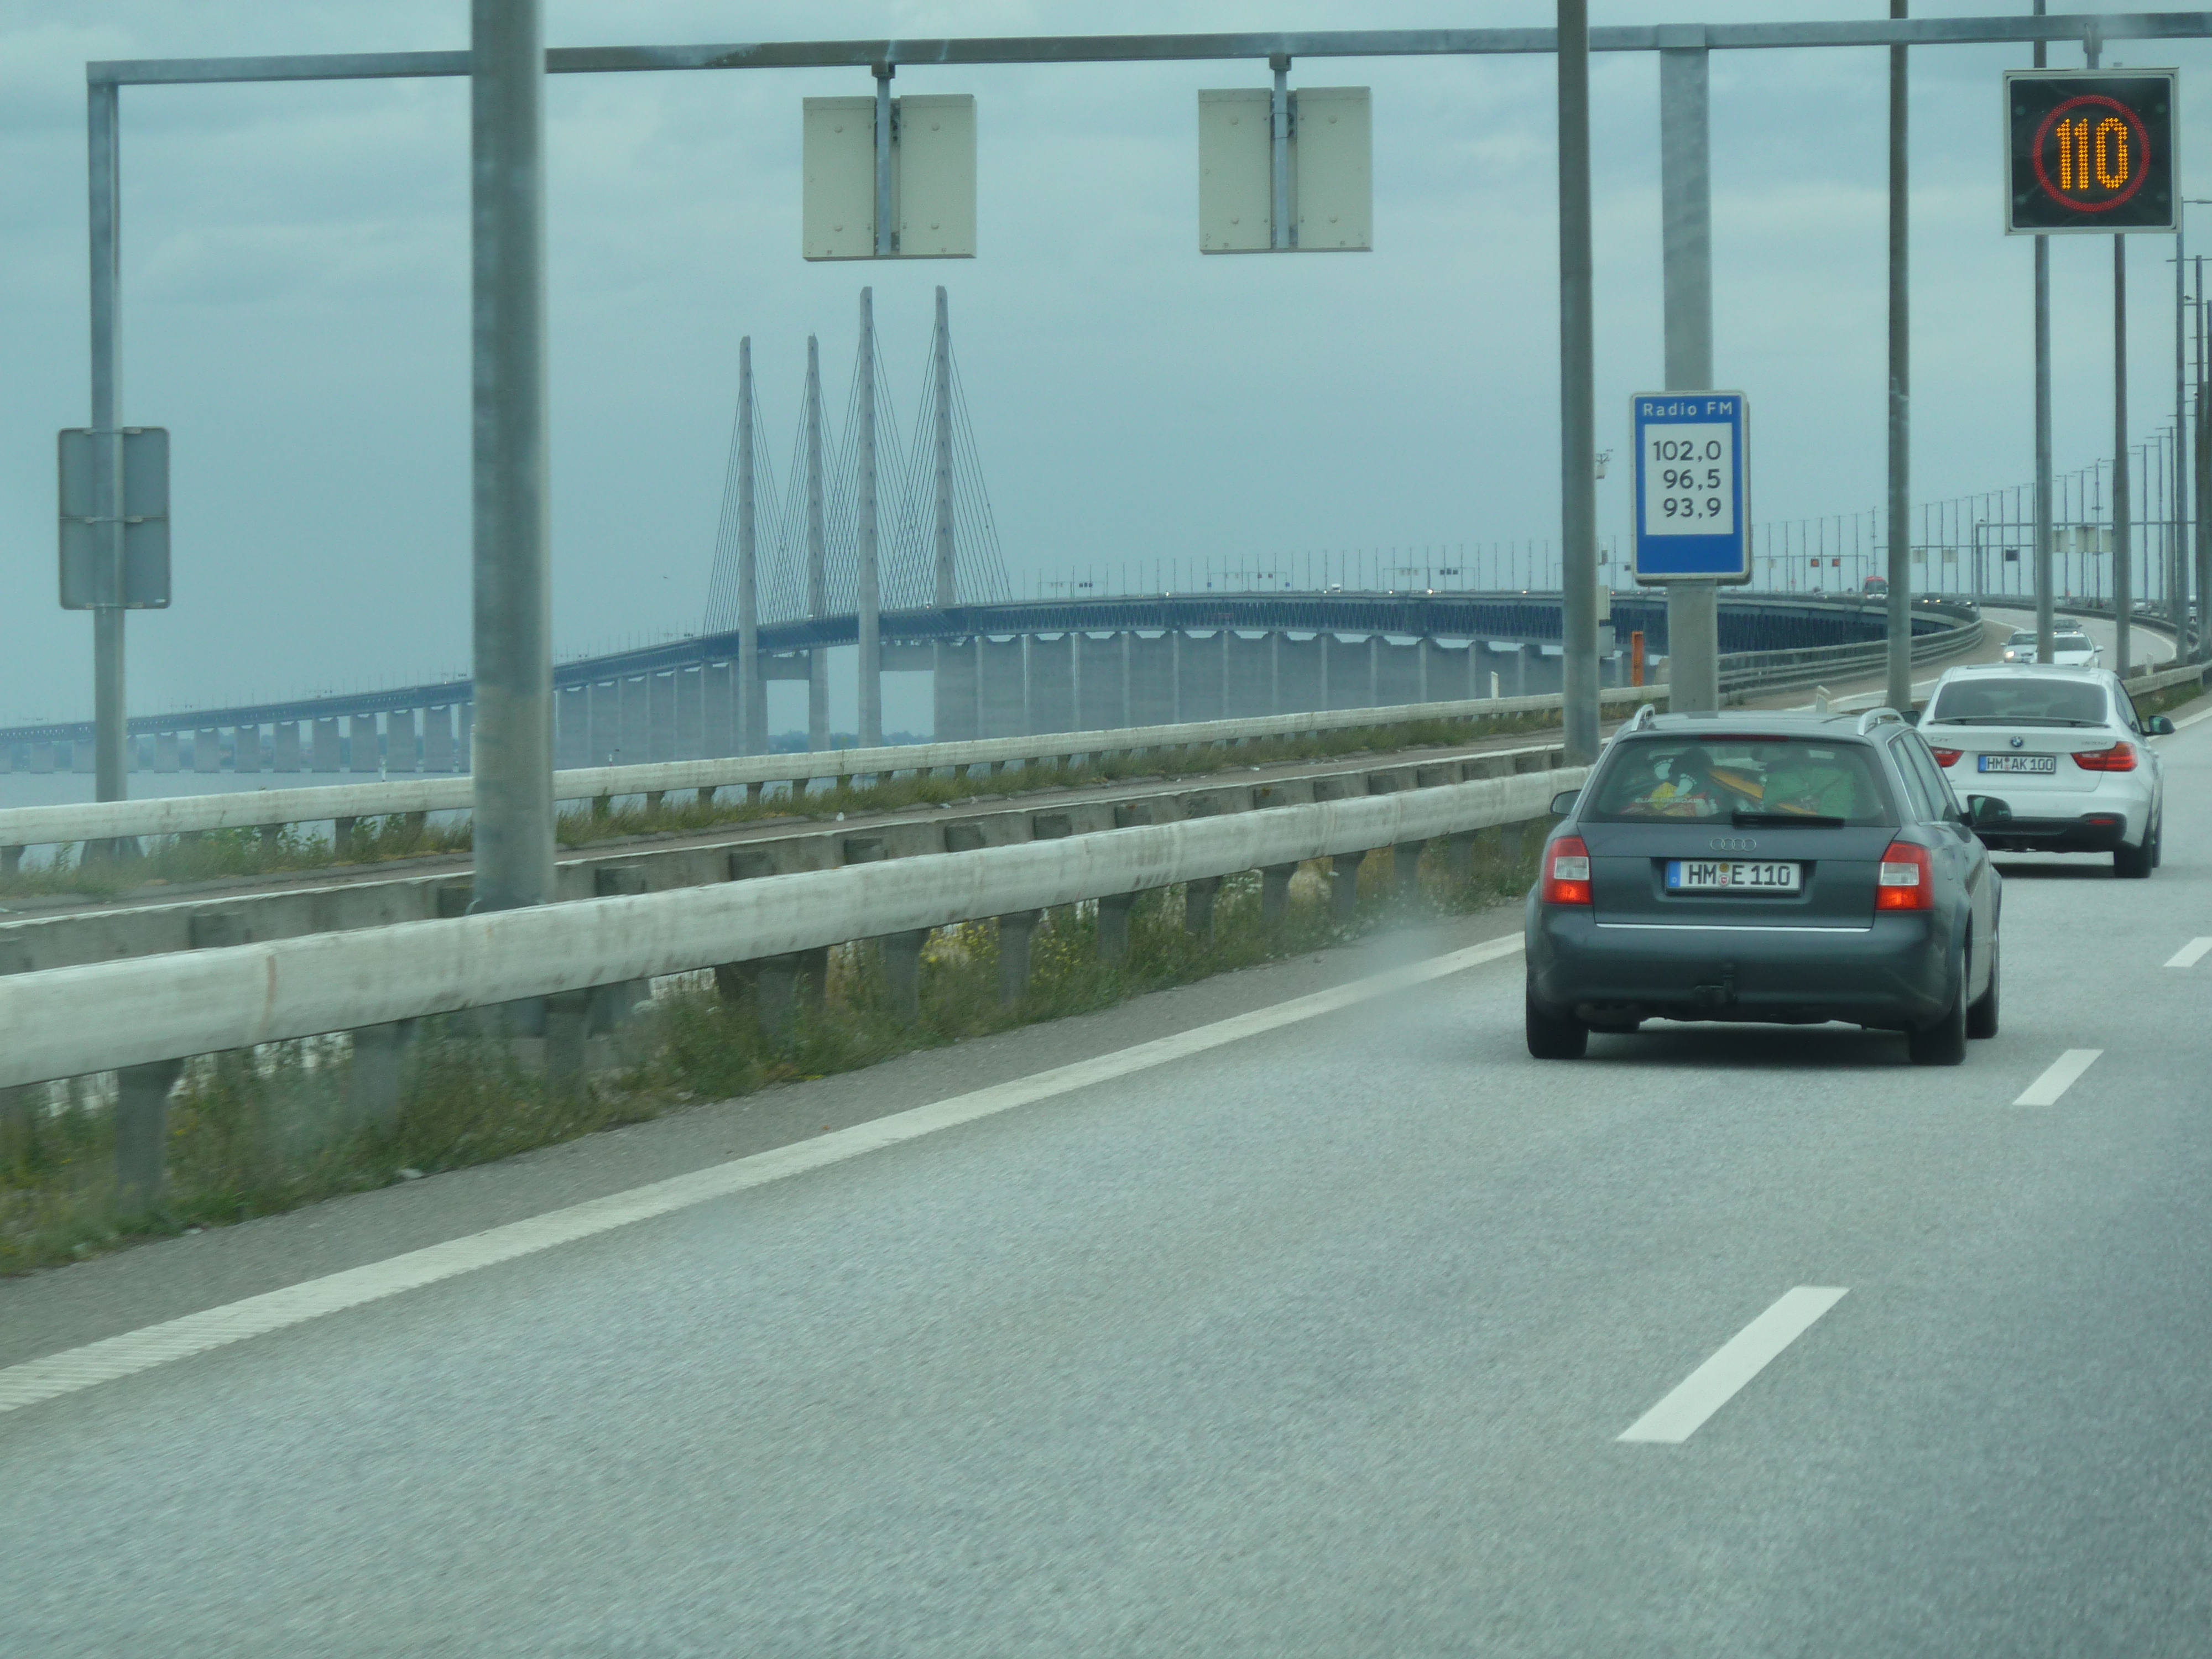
{"points": [[1693, 498], [2094, 151]]}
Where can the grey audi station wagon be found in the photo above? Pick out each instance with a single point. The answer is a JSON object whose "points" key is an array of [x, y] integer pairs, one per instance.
{"points": [[1784, 867]]}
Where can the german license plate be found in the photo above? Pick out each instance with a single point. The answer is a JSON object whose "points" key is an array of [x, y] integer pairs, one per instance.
{"points": [[1730, 876], [2018, 762]]}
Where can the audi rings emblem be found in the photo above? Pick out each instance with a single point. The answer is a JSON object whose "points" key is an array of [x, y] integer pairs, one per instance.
{"points": [[1733, 844]]}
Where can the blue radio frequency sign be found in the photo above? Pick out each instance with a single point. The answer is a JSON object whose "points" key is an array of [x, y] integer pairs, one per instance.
{"points": [[1692, 487]]}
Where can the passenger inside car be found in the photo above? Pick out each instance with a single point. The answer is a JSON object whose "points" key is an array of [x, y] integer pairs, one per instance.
{"points": [[1662, 780]]}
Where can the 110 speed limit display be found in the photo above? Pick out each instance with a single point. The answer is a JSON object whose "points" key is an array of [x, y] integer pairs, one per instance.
{"points": [[1691, 490]]}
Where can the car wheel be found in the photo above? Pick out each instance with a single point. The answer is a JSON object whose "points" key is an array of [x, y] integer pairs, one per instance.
{"points": [[1555, 1037], [1943, 1043], [2133, 863], [1982, 1012]]}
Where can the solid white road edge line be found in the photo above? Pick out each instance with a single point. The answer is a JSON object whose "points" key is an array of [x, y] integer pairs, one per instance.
{"points": [[2059, 1076], [2191, 953], [2201, 715], [142, 1350], [1746, 1354]]}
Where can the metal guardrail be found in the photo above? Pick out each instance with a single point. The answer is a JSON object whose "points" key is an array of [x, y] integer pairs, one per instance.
{"points": [[1783, 671], [33, 826], [67, 1022]]}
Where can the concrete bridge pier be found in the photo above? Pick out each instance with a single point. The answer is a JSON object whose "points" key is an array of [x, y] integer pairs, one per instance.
{"points": [[362, 753], [326, 745], [165, 751], [284, 750]]}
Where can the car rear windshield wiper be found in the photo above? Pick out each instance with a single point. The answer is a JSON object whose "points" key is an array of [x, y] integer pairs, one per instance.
{"points": [[1781, 820]]}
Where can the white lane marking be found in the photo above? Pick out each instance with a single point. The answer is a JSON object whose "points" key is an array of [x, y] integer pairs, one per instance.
{"points": [[2201, 715], [2191, 953], [2059, 1076], [1746, 1354], [177, 1339]]}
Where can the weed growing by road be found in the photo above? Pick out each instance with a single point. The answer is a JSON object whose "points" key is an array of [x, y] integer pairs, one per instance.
{"points": [[259, 1132]]}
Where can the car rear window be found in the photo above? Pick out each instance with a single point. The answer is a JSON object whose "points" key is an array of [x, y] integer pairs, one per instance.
{"points": [[2022, 699], [1707, 776], [2026, 636]]}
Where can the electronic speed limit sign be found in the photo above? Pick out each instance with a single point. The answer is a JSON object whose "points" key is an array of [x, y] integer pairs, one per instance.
{"points": [[1692, 487], [2090, 150]]}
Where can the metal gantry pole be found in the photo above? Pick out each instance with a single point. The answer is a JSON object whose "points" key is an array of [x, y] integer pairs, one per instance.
{"points": [[2122, 564], [511, 743], [2176, 579], [2046, 607], [947, 551], [1577, 395], [886, 216], [110, 730], [1281, 233], [1686, 269], [2202, 543], [870, 596], [752, 710], [1899, 690], [817, 569]]}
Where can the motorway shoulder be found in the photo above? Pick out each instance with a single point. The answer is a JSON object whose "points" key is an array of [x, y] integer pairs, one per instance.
{"points": [[45, 1312]]}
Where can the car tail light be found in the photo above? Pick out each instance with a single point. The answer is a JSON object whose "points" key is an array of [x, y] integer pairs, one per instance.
{"points": [[1567, 871], [1947, 756], [1907, 881], [2120, 757]]}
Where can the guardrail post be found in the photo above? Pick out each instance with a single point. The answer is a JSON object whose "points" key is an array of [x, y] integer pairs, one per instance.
{"points": [[341, 835], [1113, 926], [379, 1066], [1344, 886], [901, 954], [1275, 892], [1198, 898], [11, 860], [1014, 932], [610, 1005], [141, 1134]]}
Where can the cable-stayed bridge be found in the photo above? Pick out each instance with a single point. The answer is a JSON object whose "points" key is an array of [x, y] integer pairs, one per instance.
{"points": [[881, 537]]}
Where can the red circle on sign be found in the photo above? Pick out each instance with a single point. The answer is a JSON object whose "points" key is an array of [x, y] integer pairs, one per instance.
{"points": [[2136, 126]]}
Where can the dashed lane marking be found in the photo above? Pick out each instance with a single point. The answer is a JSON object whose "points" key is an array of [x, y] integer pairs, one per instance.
{"points": [[2059, 1076], [256, 1315], [1746, 1354], [2190, 954]]}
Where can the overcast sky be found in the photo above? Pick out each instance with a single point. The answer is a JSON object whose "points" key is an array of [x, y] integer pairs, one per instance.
{"points": [[295, 280]]}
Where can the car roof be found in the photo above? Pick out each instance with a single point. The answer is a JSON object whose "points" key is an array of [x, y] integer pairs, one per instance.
{"points": [[1752, 722], [2081, 670]]}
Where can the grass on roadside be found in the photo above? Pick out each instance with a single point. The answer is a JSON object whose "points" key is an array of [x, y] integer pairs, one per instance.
{"points": [[259, 1132]]}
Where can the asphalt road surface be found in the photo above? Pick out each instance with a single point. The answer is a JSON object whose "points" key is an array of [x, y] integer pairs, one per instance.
{"points": [[1359, 1334]]}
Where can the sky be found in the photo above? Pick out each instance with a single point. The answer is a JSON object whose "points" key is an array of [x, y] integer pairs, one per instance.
{"points": [[295, 263]]}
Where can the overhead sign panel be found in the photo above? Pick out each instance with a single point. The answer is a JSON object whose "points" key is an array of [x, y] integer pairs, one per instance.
{"points": [[2090, 150], [1692, 487], [1332, 171], [90, 574], [933, 155]]}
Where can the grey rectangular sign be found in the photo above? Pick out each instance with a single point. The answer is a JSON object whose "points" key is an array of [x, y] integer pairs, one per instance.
{"points": [[88, 576]]}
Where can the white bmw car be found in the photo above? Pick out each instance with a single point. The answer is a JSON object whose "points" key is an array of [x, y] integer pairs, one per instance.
{"points": [[2063, 748], [2070, 647]]}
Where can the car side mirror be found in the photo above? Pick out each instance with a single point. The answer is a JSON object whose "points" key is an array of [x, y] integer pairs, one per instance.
{"points": [[1987, 812], [1911, 716], [2158, 726], [1563, 802]]}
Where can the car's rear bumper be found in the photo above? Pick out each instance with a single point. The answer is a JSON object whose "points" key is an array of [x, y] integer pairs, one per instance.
{"points": [[2090, 832], [1895, 973]]}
